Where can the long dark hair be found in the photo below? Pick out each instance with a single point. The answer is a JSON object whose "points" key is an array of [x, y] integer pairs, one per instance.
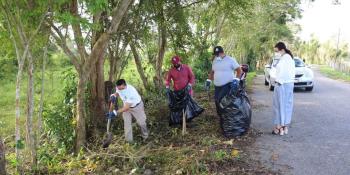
{"points": [[281, 45]]}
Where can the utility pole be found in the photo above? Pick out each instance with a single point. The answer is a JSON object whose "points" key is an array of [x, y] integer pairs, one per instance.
{"points": [[337, 3], [336, 53]]}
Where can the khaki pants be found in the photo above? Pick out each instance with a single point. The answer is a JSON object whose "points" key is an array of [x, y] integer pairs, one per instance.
{"points": [[139, 114]]}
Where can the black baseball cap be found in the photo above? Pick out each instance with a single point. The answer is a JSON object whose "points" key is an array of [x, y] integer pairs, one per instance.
{"points": [[217, 50]]}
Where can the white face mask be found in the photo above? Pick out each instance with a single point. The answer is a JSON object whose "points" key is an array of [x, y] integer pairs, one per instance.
{"points": [[122, 91], [278, 54], [218, 58]]}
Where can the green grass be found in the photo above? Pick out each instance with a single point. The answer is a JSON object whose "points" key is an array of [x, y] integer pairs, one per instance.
{"points": [[7, 110], [250, 78], [7, 100], [53, 91], [334, 74]]}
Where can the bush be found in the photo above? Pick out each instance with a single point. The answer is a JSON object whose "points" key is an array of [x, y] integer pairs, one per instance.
{"points": [[59, 117], [8, 67], [202, 66]]}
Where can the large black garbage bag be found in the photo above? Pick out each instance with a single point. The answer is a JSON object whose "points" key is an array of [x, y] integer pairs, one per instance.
{"points": [[179, 101], [234, 110]]}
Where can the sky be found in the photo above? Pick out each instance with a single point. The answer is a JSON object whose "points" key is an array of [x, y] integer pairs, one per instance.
{"points": [[325, 20]]}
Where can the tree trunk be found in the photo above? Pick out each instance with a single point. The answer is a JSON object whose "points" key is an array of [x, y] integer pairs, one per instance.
{"points": [[2, 158], [139, 66], [112, 67], [42, 94], [100, 89], [97, 77], [97, 94], [159, 62], [30, 110], [114, 71], [18, 114], [14, 21], [80, 126], [119, 67], [123, 63], [93, 102]]}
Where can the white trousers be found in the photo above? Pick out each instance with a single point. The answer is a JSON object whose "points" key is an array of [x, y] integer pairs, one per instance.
{"points": [[283, 104]]}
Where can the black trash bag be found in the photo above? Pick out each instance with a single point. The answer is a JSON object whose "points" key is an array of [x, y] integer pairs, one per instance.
{"points": [[179, 101], [235, 111]]}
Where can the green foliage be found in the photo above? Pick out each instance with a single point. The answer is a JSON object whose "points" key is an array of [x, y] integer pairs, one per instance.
{"points": [[335, 74], [50, 157], [69, 86], [20, 144], [316, 52], [220, 155], [59, 117], [202, 66], [7, 67], [59, 125], [11, 158], [97, 5], [8, 62], [250, 78], [252, 37]]}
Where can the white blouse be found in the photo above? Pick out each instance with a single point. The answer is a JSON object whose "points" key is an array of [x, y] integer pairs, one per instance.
{"points": [[285, 69]]}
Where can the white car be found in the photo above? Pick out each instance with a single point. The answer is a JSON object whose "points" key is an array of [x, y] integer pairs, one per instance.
{"points": [[304, 76]]}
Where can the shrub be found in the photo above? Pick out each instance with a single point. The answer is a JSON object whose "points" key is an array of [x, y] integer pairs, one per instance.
{"points": [[59, 117]]}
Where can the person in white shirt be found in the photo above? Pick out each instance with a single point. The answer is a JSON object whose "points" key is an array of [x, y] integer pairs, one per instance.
{"points": [[223, 72], [132, 106], [283, 91]]}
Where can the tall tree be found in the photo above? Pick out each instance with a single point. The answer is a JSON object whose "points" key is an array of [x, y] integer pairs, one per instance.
{"points": [[84, 62], [41, 102], [161, 26], [22, 33]]}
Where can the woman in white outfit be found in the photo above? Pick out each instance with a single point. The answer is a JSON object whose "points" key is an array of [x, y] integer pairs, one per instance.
{"points": [[283, 92]]}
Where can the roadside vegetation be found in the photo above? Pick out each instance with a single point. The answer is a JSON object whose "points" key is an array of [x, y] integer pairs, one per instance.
{"points": [[334, 74], [55, 57], [334, 53]]}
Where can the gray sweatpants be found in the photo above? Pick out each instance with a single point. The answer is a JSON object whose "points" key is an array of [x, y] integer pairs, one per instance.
{"points": [[139, 114], [283, 104]]}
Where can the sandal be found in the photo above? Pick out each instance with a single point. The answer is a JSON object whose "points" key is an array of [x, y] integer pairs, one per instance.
{"points": [[276, 131], [285, 129], [281, 131]]}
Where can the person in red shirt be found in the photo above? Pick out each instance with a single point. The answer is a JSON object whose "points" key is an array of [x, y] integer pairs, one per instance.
{"points": [[181, 75]]}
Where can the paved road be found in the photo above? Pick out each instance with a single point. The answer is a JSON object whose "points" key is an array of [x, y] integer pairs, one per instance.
{"points": [[319, 138]]}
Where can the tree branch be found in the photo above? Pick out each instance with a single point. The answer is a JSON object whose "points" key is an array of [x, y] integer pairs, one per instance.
{"points": [[117, 15], [78, 37], [99, 47], [60, 39]]}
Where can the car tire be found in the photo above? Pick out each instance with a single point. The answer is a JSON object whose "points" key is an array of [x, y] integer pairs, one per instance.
{"points": [[309, 88], [266, 82], [271, 88]]}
